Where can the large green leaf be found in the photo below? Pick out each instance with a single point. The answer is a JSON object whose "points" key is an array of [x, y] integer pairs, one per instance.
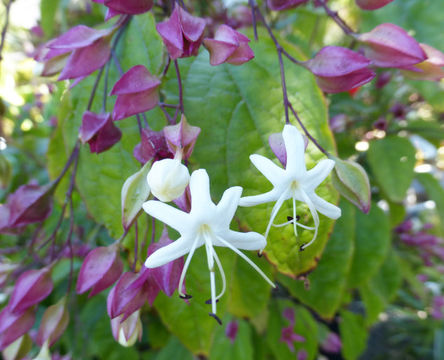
{"points": [[353, 335], [380, 289], [372, 243], [392, 160], [237, 109], [329, 279]]}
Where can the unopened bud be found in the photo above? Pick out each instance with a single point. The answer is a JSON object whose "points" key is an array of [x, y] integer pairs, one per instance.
{"points": [[135, 191], [127, 332], [168, 179], [100, 269], [53, 324], [31, 287]]}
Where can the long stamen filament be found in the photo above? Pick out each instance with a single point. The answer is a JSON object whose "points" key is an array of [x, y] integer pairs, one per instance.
{"points": [[213, 292], [274, 212], [291, 222], [185, 267], [315, 216], [222, 274], [294, 217], [245, 257]]}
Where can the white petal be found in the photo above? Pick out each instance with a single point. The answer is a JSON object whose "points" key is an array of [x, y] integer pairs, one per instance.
{"points": [[168, 253], [324, 207], [318, 174], [228, 204], [270, 196], [245, 241], [268, 168], [171, 216], [295, 148], [200, 191]]}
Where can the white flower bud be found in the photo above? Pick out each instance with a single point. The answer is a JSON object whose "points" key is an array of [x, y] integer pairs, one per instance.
{"points": [[168, 179]]}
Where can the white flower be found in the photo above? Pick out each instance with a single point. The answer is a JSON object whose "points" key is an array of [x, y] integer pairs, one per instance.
{"points": [[294, 182], [168, 179], [206, 224]]}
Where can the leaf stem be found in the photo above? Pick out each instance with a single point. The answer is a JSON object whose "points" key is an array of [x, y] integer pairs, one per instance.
{"points": [[5, 27]]}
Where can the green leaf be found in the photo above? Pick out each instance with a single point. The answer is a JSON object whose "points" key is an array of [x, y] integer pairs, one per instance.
{"points": [[237, 109], [353, 335], [240, 349], [5, 171], [380, 289], [351, 180], [329, 279], [135, 191], [174, 350], [435, 192], [372, 243], [392, 160], [142, 44]]}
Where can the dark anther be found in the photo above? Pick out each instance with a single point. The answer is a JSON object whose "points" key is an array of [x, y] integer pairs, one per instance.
{"points": [[186, 296], [208, 302], [302, 247], [216, 317], [259, 254], [290, 218]]}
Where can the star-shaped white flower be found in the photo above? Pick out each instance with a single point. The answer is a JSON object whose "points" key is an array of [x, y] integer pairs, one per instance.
{"points": [[206, 224], [294, 182]]}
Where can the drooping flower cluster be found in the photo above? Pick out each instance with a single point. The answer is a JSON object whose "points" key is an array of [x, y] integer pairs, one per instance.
{"points": [[208, 224]]}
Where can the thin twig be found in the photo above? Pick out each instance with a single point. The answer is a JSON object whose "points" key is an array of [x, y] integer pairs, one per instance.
{"points": [[337, 19], [253, 6], [179, 84], [136, 245], [306, 131]]}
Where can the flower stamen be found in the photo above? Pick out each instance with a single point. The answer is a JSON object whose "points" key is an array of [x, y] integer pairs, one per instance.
{"points": [[184, 270], [247, 259]]}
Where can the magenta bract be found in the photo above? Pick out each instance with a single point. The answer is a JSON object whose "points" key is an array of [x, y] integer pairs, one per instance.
{"points": [[372, 4], [131, 7], [136, 92], [181, 33], [167, 276], [181, 137], [31, 287], [53, 324], [28, 204], [100, 269], [14, 325], [99, 131], [388, 45], [152, 146], [229, 46], [76, 53], [339, 69], [124, 299], [430, 69], [279, 5], [184, 200]]}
